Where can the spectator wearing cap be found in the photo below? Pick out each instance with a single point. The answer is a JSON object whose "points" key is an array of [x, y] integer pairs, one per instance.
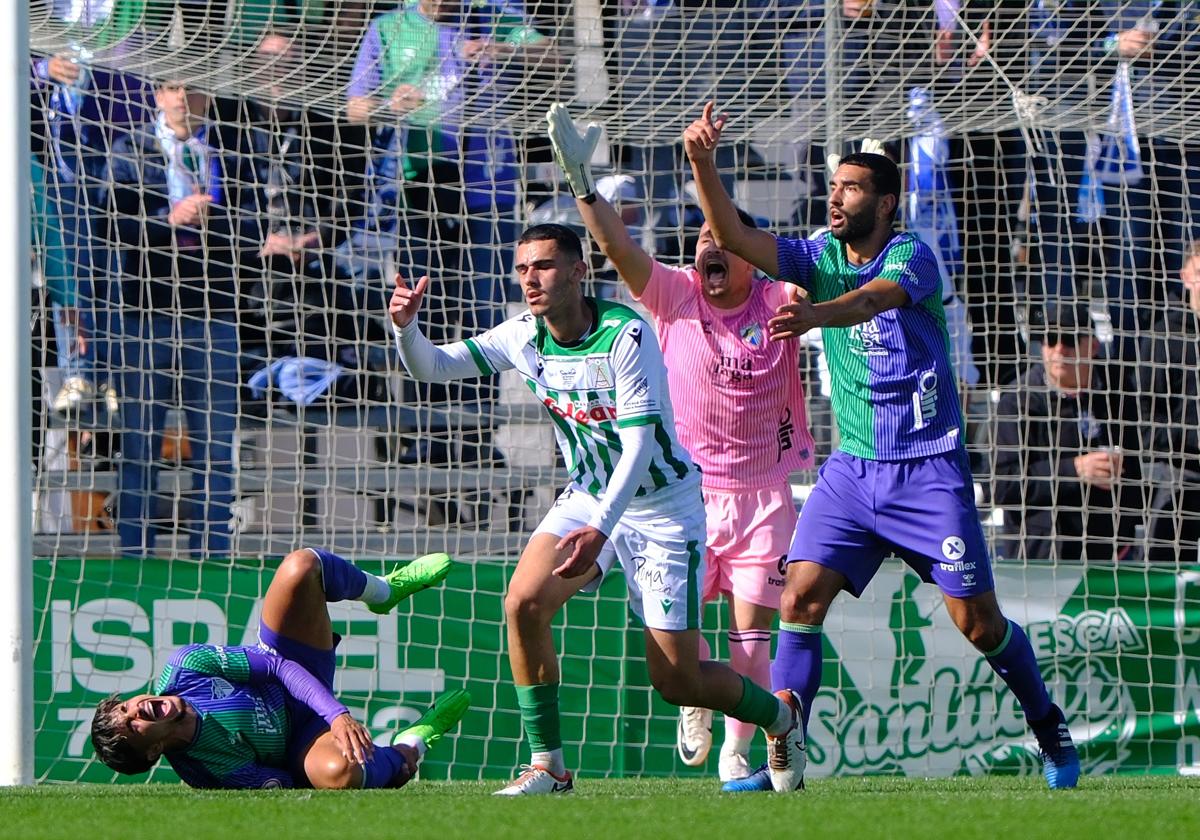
{"points": [[1067, 440], [1171, 405]]}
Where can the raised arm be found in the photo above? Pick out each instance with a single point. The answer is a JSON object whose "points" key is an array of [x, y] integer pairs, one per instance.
{"points": [[757, 247], [423, 359], [573, 152]]}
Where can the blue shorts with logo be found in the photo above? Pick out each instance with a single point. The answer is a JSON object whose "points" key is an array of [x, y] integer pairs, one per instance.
{"points": [[922, 510]]}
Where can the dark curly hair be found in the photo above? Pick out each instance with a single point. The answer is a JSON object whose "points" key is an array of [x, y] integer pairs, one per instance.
{"points": [[111, 745]]}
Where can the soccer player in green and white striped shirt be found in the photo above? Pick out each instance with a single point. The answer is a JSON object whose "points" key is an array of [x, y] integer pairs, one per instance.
{"points": [[634, 496]]}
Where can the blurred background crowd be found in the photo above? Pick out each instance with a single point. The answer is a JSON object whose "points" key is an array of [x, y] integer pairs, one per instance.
{"points": [[222, 192]]}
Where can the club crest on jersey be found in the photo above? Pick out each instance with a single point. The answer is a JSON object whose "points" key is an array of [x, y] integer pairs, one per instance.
{"points": [[220, 688], [753, 335], [600, 374]]}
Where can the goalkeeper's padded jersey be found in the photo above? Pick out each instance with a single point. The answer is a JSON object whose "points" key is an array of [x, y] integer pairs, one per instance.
{"points": [[242, 734], [613, 378], [895, 395]]}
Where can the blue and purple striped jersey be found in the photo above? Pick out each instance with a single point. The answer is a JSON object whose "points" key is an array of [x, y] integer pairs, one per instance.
{"points": [[895, 395], [242, 736]]}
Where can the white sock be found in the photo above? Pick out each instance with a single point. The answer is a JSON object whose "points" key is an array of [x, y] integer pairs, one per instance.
{"points": [[783, 720], [552, 760], [414, 741], [376, 591]]}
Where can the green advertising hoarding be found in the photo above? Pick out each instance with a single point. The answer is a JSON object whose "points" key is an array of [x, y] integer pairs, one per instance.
{"points": [[902, 692]]}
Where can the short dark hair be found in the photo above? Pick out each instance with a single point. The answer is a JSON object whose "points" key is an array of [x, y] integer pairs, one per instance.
{"points": [[568, 241], [111, 746], [885, 175]]}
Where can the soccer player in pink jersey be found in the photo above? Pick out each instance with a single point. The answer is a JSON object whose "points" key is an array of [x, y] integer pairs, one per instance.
{"points": [[740, 412]]}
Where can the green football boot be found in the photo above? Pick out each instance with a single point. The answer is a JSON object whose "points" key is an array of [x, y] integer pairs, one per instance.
{"points": [[445, 713], [421, 573]]}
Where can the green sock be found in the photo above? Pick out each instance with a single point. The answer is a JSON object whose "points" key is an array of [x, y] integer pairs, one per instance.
{"points": [[539, 715], [757, 706]]}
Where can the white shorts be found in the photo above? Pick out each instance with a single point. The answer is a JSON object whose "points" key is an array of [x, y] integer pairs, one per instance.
{"points": [[659, 543]]}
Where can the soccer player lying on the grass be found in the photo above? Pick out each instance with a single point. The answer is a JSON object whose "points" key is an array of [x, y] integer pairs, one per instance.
{"points": [[265, 716], [740, 413], [634, 496], [899, 481]]}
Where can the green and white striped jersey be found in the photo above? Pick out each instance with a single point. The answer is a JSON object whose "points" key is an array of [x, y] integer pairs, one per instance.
{"points": [[614, 378]]}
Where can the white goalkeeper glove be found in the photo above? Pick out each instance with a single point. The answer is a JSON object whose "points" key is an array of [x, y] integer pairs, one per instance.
{"points": [[572, 150], [874, 147]]}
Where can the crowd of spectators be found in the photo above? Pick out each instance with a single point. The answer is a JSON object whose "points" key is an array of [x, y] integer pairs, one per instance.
{"points": [[188, 240]]}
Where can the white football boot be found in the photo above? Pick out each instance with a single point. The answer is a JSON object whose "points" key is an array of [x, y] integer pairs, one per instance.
{"points": [[536, 780], [693, 735], [787, 754]]}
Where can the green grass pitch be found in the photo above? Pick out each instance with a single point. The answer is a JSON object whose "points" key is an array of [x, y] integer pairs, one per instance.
{"points": [[996, 808]]}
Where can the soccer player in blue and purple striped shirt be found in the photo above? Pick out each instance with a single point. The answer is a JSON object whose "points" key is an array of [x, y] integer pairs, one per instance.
{"points": [[899, 482], [265, 716]]}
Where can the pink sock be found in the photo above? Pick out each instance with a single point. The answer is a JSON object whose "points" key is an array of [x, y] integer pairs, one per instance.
{"points": [[749, 655]]}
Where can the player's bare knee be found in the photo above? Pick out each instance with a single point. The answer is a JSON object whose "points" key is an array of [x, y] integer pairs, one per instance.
{"points": [[299, 567], [983, 630], [525, 609], [332, 772], [800, 607]]}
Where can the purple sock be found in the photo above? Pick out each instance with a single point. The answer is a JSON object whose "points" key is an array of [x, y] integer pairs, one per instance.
{"points": [[1017, 666], [341, 579], [383, 767], [797, 663]]}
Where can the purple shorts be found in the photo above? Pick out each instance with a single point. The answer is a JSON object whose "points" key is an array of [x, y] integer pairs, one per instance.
{"points": [[922, 510], [306, 724]]}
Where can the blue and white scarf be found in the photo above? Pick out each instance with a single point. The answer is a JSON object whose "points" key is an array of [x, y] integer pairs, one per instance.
{"points": [[191, 164]]}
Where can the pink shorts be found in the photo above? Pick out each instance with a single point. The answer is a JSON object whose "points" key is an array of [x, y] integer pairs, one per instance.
{"points": [[748, 537]]}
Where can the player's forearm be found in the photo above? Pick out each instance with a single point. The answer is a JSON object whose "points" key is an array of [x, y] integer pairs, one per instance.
{"points": [[758, 247], [718, 207], [636, 451], [860, 305], [632, 263], [429, 362], [296, 681]]}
